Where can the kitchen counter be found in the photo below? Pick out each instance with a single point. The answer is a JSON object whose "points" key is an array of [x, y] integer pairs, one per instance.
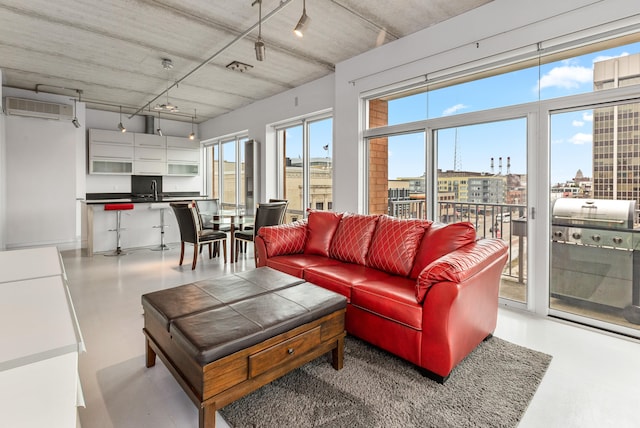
{"points": [[140, 226], [108, 198]]}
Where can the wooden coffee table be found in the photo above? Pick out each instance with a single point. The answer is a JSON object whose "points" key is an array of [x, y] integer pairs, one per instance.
{"points": [[226, 337]]}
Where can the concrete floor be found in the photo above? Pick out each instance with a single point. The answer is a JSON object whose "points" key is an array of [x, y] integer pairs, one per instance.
{"points": [[593, 380]]}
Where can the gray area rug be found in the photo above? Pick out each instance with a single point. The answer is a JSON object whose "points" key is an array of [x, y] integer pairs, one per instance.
{"points": [[492, 387]]}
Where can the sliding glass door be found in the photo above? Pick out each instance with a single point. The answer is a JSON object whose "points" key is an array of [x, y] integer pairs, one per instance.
{"points": [[594, 195]]}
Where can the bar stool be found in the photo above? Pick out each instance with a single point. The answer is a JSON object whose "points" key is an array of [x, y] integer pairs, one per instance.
{"points": [[118, 208], [160, 206]]}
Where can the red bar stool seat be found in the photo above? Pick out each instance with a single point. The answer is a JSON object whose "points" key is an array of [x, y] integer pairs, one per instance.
{"points": [[118, 208]]}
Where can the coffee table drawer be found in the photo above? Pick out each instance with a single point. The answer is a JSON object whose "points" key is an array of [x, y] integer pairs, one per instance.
{"points": [[287, 350]]}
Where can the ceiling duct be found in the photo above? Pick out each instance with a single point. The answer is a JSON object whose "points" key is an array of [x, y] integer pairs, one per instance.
{"points": [[149, 127], [40, 109]]}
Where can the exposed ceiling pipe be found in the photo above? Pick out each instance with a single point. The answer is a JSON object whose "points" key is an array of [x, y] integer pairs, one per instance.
{"points": [[283, 4]]}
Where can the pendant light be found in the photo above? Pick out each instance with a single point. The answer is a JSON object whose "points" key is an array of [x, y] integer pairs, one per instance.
{"points": [[303, 23], [192, 136], [120, 125], [260, 47]]}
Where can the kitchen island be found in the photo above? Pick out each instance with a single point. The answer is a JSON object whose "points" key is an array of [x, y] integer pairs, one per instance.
{"points": [[140, 226]]}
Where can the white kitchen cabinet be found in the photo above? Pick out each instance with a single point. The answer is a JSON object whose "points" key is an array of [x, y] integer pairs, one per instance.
{"points": [[110, 152], [113, 152], [183, 143], [183, 156], [141, 167], [110, 137], [39, 356], [149, 140]]}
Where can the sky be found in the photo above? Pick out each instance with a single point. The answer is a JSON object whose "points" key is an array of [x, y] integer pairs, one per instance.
{"points": [[571, 133]]}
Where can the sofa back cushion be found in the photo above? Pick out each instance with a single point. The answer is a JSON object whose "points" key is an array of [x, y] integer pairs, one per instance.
{"points": [[395, 243], [439, 240], [288, 238], [351, 241], [321, 227]]}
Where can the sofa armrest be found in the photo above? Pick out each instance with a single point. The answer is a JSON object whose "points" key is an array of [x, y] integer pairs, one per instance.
{"points": [[460, 309], [460, 265]]}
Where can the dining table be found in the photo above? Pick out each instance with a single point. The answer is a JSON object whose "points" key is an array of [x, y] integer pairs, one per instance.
{"points": [[236, 219]]}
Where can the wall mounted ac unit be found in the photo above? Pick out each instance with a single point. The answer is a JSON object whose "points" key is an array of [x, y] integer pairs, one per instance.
{"points": [[32, 108]]}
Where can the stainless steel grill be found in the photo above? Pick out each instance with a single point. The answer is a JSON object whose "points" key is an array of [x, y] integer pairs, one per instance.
{"points": [[594, 251]]}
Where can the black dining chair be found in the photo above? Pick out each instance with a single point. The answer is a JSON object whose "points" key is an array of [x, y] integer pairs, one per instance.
{"points": [[191, 231], [267, 214], [272, 200]]}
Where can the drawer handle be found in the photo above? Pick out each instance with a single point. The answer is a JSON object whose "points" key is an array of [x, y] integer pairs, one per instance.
{"points": [[290, 351]]}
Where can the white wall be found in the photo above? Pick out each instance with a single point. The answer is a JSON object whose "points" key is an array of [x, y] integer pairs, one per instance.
{"points": [[41, 189], [313, 97]]}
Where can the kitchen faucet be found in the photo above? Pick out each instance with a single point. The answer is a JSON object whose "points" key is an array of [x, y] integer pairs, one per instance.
{"points": [[154, 189]]}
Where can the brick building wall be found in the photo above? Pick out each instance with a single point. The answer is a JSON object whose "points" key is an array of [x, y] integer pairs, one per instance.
{"points": [[378, 159]]}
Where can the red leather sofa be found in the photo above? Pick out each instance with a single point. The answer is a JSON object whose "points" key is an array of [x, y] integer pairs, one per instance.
{"points": [[425, 292]]}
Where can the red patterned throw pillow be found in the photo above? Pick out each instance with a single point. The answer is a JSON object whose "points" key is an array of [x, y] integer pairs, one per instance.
{"points": [[321, 228], [395, 243], [351, 241], [288, 238]]}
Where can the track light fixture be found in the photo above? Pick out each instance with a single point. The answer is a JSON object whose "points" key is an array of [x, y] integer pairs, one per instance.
{"points": [[159, 130], [120, 125], [304, 21], [75, 120], [192, 136], [260, 47]]}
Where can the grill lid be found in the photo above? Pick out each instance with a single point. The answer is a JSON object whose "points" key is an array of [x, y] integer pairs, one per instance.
{"points": [[602, 213]]}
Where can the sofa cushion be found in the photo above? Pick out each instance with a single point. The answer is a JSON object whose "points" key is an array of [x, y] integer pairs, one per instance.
{"points": [[392, 298], [395, 243], [295, 264], [351, 241], [321, 227], [340, 277], [439, 240], [286, 238]]}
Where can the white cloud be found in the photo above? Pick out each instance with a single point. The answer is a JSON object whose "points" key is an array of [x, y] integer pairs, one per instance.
{"points": [[577, 123], [454, 109], [581, 138], [587, 116], [566, 77]]}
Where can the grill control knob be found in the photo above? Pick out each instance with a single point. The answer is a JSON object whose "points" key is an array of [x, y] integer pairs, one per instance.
{"points": [[557, 234], [576, 235], [596, 238], [617, 240]]}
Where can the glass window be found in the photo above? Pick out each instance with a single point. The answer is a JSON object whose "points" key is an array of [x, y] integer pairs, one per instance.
{"points": [[558, 75], [308, 166]]}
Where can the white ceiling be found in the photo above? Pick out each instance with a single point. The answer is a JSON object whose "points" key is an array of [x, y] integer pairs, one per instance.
{"points": [[112, 50]]}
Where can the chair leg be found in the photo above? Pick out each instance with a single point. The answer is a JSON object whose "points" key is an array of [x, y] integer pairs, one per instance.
{"points": [[181, 252], [224, 249], [210, 250], [255, 255], [238, 244], [195, 256]]}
